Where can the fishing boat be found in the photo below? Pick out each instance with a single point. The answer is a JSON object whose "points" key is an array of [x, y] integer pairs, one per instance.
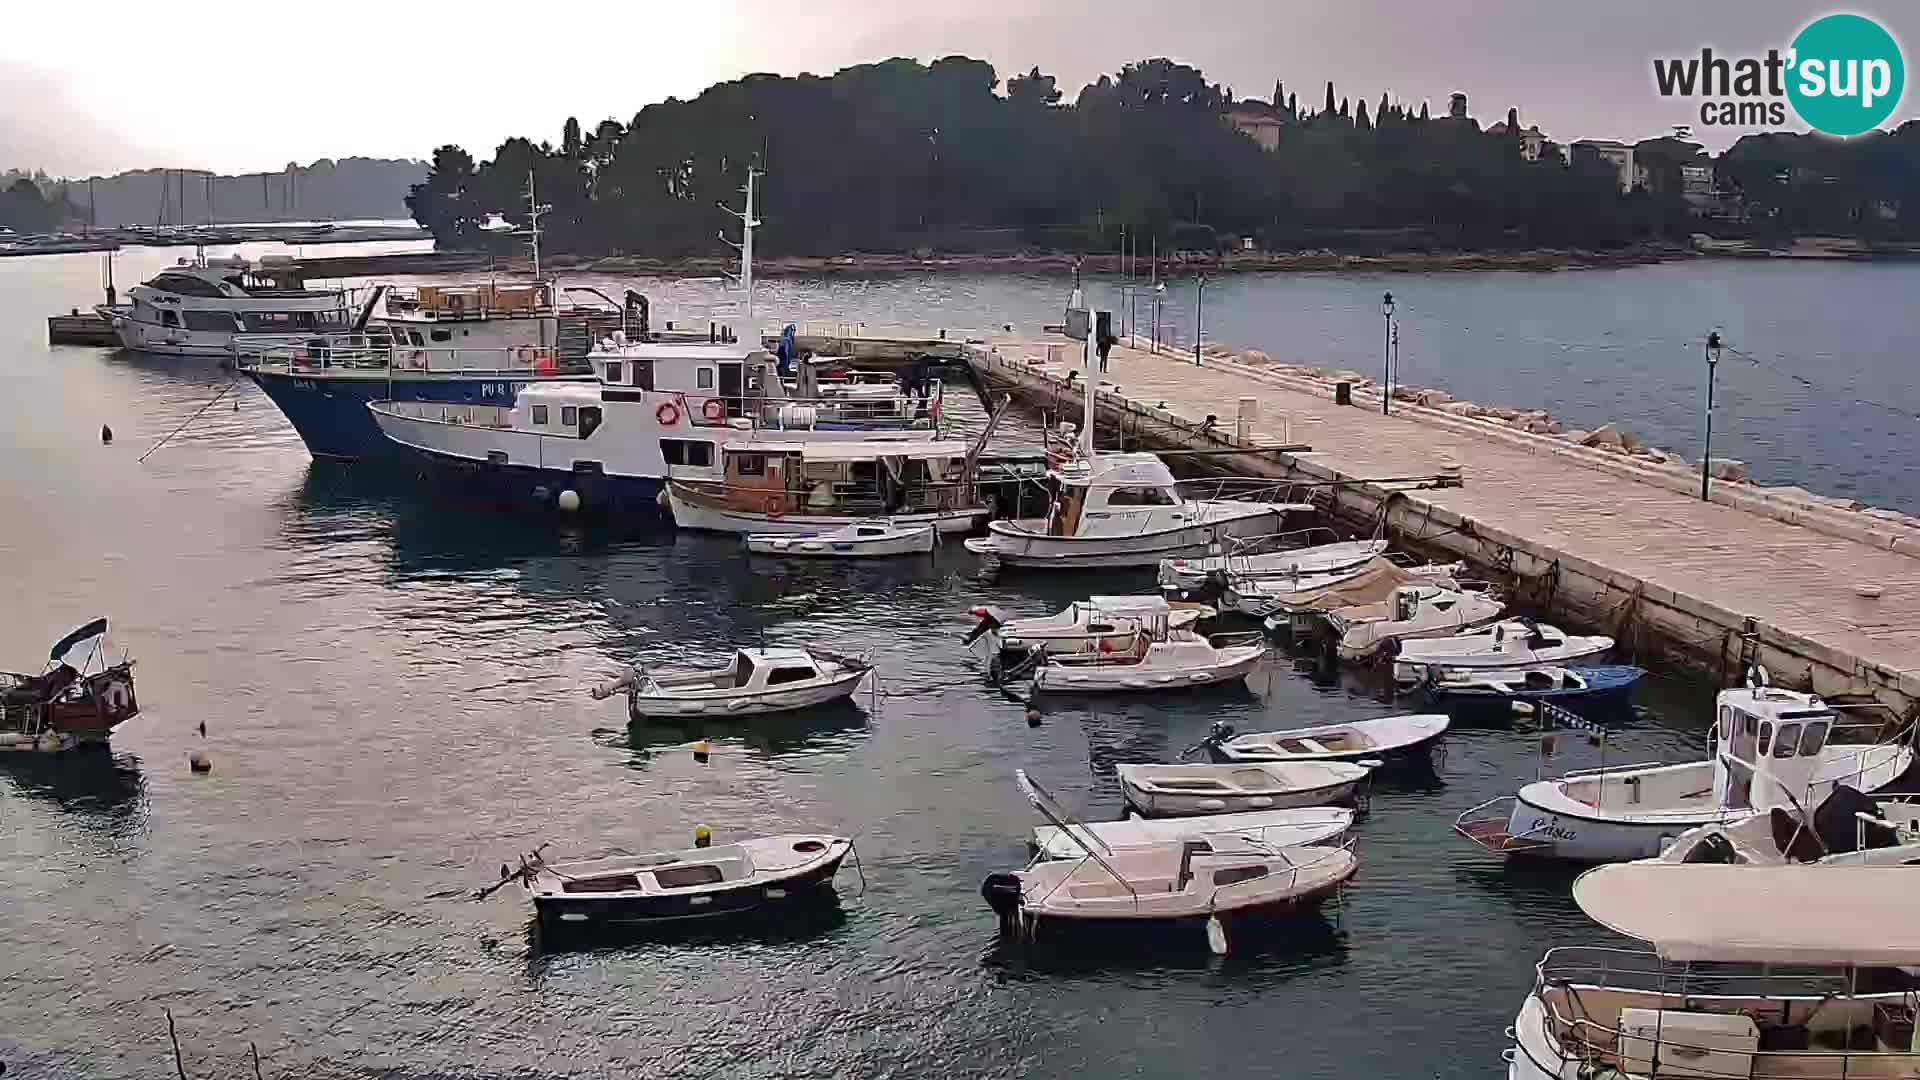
{"points": [[1170, 885], [1509, 644], [1382, 738], [67, 705], [754, 682], [1257, 830], [1248, 560], [1562, 685], [860, 540], [1090, 625], [1411, 613], [200, 306], [1187, 790], [715, 882], [1179, 658], [1772, 748], [1766, 971], [781, 485]]}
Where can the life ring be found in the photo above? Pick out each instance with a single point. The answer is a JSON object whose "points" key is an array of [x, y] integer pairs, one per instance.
{"points": [[714, 410], [668, 414], [775, 506]]}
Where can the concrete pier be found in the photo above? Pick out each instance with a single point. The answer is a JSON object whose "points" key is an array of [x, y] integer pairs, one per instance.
{"points": [[1823, 597]]}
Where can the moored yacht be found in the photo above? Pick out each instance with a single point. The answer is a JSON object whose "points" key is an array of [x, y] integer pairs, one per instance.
{"points": [[200, 306]]}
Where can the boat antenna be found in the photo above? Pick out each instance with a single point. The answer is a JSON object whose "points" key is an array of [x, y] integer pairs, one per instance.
{"points": [[534, 209], [745, 247]]}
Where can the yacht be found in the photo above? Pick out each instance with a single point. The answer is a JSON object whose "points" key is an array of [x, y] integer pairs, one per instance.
{"points": [[198, 307]]}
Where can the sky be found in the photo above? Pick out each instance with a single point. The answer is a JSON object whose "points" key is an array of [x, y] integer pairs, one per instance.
{"points": [[243, 87]]}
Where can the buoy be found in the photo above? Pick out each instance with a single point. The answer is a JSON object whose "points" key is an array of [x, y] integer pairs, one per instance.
{"points": [[1216, 936], [702, 751], [569, 500], [1868, 591], [106, 434], [198, 761], [702, 836], [1033, 716]]}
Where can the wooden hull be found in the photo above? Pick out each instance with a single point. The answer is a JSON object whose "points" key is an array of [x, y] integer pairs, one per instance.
{"points": [[642, 706], [1172, 804], [829, 545], [1234, 664], [583, 912]]}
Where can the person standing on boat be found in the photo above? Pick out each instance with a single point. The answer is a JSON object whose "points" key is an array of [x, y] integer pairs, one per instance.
{"points": [[783, 353]]}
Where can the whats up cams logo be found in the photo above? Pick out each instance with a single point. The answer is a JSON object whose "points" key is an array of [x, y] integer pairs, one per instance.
{"points": [[1842, 75]]}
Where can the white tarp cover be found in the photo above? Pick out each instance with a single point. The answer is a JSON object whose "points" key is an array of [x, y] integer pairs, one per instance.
{"points": [[1861, 916]]}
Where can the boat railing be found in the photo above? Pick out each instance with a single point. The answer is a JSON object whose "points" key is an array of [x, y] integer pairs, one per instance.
{"points": [[1603, 770], [1486, 825], [309, 354], [1322, 853], [900, 412], [1290, 540], [849, 499], [1238, 489]]}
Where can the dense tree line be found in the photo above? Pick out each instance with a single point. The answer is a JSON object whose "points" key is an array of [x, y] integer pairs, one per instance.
{"points": [[898, 155], [25, 208]]}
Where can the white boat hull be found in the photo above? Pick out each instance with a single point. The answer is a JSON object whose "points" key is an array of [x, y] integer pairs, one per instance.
{"points": [[1178, 573], [839, 545], [1269, 829], [1233, 663], [1017, 546], [687, 515], [645, 706]]}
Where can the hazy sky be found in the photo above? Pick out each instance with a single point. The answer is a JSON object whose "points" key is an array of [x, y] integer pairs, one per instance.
{"points": [[111, 85]]}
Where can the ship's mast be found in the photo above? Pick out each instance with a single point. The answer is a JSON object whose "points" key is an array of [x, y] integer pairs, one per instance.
{"points": [[534, 209], [745, 246]]}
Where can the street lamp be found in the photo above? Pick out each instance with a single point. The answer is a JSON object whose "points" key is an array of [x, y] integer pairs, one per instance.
{"points": [[1159, 294], [1386, 355], [1706, 457], [1199, 290]]}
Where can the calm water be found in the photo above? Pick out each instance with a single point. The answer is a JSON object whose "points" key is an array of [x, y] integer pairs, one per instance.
{"points": [[395, 696]]}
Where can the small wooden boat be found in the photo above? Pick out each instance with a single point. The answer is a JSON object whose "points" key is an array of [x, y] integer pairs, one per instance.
{"points": [[862, 539], [1509, 644], [1382, 737], [1176, 883], [1186, 790], [1259, 830], [756, 681], [1085, 626], [1365, 583], [1411, 613], [1494, 685], [67, 706], [1184, 659], [698, 883], [1192, 573]]}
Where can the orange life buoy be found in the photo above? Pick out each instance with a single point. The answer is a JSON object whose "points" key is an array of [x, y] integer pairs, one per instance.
{"points": [[668, 414], [714, 410]]}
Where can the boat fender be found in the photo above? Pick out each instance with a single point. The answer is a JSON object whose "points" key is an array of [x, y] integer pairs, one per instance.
{"points": [[668, 414], [569, 500], [1001, 891], [702, 753], [714, 410], [1216, 936], [702, 836], [1033, 716]]}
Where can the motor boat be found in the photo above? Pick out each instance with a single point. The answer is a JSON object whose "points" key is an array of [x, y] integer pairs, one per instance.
{"points": [[198, 307], [1772, 748], [1281, 597], [698, 883], [1561, 685], [1508, 644], [1178, 883], [1086, 625], [1846, 829], [1411, 613], [1188, 790], [68, 704], [860, 540], [1381, 738], [801, 486], [754, 682], [1256, 829], [1754, 971], [1178, 659], [1194, 573]]}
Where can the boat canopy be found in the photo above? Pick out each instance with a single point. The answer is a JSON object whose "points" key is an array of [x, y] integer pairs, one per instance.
{"points": [[1121, 470], [1143, 605], [1834, 916], [863, 450]]}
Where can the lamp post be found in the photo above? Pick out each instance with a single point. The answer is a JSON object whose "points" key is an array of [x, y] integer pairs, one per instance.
{"points": [[1386, 355], [1706, 457], [1199, 290], [1159, 295]]}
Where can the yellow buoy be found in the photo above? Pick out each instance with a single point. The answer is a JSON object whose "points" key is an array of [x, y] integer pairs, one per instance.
{"points": [[198, 761], [702, 836], [702, 751]]}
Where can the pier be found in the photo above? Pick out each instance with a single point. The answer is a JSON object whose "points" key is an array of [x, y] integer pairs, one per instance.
{"points": [[1825, 598], [80, 328]]}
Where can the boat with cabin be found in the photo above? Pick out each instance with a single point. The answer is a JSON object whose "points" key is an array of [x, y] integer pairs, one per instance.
{"points": [[1507, 644], [1771, 748], [1091, 625], [721, 881], [1411, 613], [754, 682], [201, 305], [806, 486], [1753, 971], [68, 705]]}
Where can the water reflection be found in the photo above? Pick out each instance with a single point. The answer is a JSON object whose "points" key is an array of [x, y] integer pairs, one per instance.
{"points": [[828, 727], [1259, 951], [795, 923], [93, 783]]}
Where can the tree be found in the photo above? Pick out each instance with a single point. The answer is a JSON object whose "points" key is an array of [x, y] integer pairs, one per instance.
{"points": [[1328, 108], [1423, 112], [440, 203], [1033, 90], [570, 142], [1360, 118], [1293, 106], [1279, 98]]}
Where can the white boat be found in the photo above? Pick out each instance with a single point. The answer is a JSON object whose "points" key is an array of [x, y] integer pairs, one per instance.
{"points": [[1379, 738], [1109, 622], [861, 540], [1257, 830], [1181, 658], [1772, 748], [1411, 613], [672, 886], [1187, 790], [756, 681], [1848, 829], [1178, 883], [1368, 582], [1774, 971], [808, 486], [197, 307], [1185, 573], [1508, 644]]}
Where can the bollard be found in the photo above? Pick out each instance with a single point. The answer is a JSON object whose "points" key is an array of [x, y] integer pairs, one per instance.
{"points": [[1248, 416], [1343, 393]]}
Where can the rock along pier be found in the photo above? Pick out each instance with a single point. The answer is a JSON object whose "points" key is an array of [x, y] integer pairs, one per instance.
{"points": [[1825, 597]]}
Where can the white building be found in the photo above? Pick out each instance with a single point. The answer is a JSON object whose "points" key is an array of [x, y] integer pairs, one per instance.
{"points": [[1616, 154]]}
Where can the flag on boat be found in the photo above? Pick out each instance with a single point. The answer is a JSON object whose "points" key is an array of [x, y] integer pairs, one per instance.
{"points": [[86, 633]]}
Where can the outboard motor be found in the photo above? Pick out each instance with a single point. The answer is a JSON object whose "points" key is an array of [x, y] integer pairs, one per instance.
{"points": [[1794, 838], [1220, 732], [1001, 891], [1715, 848], [988, 621], [1834, 821]]}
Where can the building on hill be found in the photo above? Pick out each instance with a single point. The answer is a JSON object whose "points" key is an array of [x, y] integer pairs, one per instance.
{"points": [[1533, 142], [1617, 155], [1258, 121]]}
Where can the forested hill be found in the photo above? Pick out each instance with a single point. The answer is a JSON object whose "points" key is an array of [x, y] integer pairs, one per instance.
{"points": [[327, 190], [896, 156]]}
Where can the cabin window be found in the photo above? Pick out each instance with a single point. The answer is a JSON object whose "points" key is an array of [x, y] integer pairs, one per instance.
{"points": [[1141, 496], [589, 420], [169, 318], [496, 457], [569, 416], [1788, 742], [540, 414], [782, 675], [414, 337], [1741, 744], [703, 379], [1238, 874], [687, 452], [686, 877], [187, 286], [441, 335], [1814, 738], [750, 464], [217, 322], [615, 371], [1766, 739]]}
